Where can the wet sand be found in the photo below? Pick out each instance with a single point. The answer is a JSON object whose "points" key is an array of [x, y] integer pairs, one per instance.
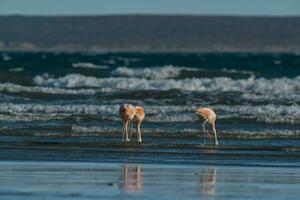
{"points": [[48, 167], [105, 149], [90, 180]]}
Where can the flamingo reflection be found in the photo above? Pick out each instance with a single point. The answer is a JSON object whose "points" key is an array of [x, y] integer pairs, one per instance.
{"points": [[208, 181], [133, 178]]}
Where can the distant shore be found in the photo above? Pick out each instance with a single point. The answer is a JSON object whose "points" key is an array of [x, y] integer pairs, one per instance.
{"points": [[150, 33]]}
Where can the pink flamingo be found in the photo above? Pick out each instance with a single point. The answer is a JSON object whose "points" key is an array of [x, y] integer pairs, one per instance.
{"points": [[138, 118], [129, 114], [210, 116]]}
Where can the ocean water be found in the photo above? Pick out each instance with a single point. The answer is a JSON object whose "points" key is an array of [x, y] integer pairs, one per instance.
{"points": [[63, 107], [71, 100], [254, 95]]}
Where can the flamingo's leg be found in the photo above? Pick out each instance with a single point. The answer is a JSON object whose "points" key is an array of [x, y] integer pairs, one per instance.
{"points": [[203, 127], [215, 132], [126, 131], [123, 131], [139, 134], [205, 131], [131, 129]]}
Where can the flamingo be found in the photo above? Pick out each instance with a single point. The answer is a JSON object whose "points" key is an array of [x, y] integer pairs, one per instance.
{"points": [[129, 114], [210, 116], [138, 119]]}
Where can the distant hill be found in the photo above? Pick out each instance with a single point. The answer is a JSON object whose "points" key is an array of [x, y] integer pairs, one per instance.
{"points": [[149, 33]]}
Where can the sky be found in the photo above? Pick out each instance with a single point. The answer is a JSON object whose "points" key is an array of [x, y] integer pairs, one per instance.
{"points": [[104, 7]]}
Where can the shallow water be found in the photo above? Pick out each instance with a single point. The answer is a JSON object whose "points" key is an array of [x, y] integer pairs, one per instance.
{"points": [[159, 150], [75, 180]]}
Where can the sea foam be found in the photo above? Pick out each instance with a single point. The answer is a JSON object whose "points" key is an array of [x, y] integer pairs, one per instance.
{"points": [[219, 84], [15, 88], [89, 65], [163, 114], [164, 72], [35, 108], [17, 69]]}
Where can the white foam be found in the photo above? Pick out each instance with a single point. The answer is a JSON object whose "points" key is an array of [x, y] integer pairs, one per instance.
{"points": [[126, 61], [263, 113], [118, 129], [17, 69], [93, 129], [277, 62], [265, 133], [14, 88], [234, 71], [6, 57], [271, 97], [28, 118], [89, 65], [17, 108], [154, 113], [109, 62], [220, 84], [164, 72]]}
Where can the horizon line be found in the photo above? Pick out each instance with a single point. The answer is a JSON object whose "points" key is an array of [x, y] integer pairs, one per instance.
{"points": [[147, 14]]}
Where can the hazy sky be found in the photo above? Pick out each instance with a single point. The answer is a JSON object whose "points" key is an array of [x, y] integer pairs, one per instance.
{"points": [[93, 7]]}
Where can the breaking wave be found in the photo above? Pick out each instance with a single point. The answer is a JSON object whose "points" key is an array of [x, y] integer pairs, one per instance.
{"points": [[15, 88], [17, 69], [234, 71], [89, 65], [6, 57], [33, 108], [169, 71], [221, 84], [263, 113], [163, 114]]}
